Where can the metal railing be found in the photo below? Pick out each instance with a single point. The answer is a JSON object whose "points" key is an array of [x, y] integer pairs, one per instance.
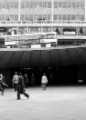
{"points": [[41, 40], [28, 23]]}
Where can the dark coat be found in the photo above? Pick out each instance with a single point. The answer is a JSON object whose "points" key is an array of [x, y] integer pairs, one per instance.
{"points": [[21, 86]]}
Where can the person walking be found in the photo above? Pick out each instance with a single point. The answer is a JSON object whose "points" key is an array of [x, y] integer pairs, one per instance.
{"points": [[44, 81], [21, 87], [26, 80], [2, 84], [32, 79]]}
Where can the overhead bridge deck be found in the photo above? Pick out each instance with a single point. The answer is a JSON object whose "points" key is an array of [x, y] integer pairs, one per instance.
{"points": [[63, 65], [42, 57]]}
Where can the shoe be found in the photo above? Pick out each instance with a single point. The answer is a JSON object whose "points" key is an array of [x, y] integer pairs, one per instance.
{"points": [[18, 98]]}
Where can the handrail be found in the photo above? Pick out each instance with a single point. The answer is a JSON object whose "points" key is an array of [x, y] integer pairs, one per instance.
{"points": [[40, 36], [26, 23]]}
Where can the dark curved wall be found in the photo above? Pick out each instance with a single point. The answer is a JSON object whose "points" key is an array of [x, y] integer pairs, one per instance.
{"points": [[62, 66], [62, 75]]}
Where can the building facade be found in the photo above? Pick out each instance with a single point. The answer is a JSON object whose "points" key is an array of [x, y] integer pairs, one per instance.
{"points": [[41, 16], [43, 25]]}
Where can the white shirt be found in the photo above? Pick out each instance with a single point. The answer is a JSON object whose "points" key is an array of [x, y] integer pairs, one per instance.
{"points": [[15, 79], [44, 79], [1, 77]]}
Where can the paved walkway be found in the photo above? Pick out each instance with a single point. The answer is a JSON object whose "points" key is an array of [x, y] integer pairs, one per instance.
{"points": [[56, 103]]}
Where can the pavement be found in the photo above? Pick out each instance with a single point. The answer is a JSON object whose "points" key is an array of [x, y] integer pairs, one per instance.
{"points": [[55, 103]]}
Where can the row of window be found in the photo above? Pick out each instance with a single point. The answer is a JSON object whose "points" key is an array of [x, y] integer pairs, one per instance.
{"points": [[47, 18], [8, 17], [36, 18], [42, 4], [69, 17], [69, 4], [41, 18], [9, 5]]}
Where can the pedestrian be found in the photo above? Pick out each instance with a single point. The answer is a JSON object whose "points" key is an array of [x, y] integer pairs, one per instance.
{"points": [[2, 84], [15, 80], [26, 80], [21, 87], [44, 81], [32, 79]]}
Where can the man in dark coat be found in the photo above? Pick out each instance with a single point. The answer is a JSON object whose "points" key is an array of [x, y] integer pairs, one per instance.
{"points": [[21, 87], [26, 80]]}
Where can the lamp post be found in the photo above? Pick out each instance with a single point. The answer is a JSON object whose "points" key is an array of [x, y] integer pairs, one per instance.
{"points": [[19, 10], [52, 14], [85, 10], [52, 10]]}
